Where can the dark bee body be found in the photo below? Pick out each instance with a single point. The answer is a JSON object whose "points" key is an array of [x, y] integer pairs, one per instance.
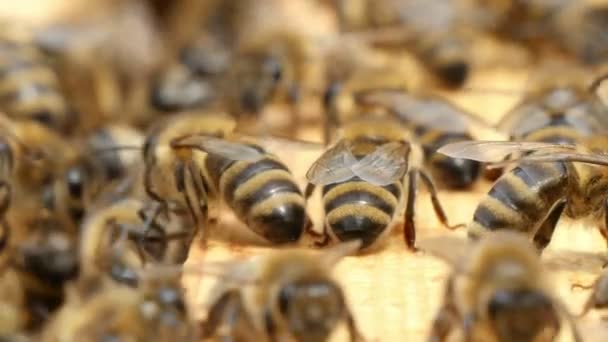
{"points": [[531, 197], [454, 173], [356, 209], [29, 88], [263, 194]]}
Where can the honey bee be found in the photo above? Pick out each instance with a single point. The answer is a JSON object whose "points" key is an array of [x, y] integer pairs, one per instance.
{"points": [[434, 122], [104, 167], [547, 25], [29, 87], [114, 241], [44, 255], [291, 296], [255, 184], [433, 31], [366, 175], [547, 181], [154, 312], [497, 291], [13, 316]]}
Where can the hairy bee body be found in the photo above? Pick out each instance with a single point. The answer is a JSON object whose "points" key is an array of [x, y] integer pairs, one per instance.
{"points": [[356, 209], [29, 88], [531, 197], [263, 194]]}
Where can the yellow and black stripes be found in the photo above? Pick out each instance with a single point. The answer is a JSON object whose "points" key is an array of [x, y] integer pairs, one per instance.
{"points": [[29, 88], [355, 209], [521, 199], [263, 194]]}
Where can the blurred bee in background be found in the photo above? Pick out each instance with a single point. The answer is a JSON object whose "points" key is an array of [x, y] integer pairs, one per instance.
{"points": [[13, 309], [547, 26], [497, 291], [434, 122], [433, 31], [114, 241], [106, 167], [29, 87], [43, 252], [198, 156], [155, 311], [291, 296], [366, 176]]}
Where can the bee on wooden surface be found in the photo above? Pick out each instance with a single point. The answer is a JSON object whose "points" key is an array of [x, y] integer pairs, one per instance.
{"points": [[29, 87], [547, 181], [114, 241], [432, 30], [107, 311], [434, 122], [365, 177], [193, 161], [291, 295], [43, 252], [497, 291]]}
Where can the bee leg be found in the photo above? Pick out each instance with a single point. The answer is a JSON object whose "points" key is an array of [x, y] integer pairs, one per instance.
{"points": [[430, 185], [149, 222], [409, 229], [5, 196], [223, 317], [323, 239], [604, 227], [543, 235]]}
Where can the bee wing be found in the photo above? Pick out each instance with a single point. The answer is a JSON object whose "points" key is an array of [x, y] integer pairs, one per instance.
{"points": [[333, 166], [387, 164], [429, 112], [497, 151], [575, 261], [523, 119], [221, 147], [277, 143], [450, 249], [566, 156]]}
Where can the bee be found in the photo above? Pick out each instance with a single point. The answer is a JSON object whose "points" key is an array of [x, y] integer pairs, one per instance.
{"points": [[497, 291], [104, 167], [255, 184], [547, 25], [43, 252], [13, 317], [432, 31], [546, 182], [291, 296], [434, 122], [155, 311], [113, 241], [29, 87], [365, 177]]}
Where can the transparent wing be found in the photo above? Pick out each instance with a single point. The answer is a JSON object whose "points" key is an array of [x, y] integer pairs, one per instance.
{"points": [[221, 147], [277, 143], [497, 151], [523, 120], [387, 164], [333, 166], [427, 111], [580, 157]]}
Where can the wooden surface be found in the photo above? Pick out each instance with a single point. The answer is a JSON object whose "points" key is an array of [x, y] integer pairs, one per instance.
{"points": [[395, 293]]}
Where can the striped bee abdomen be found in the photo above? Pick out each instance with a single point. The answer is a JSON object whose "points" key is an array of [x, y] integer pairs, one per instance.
{"points": [[521, 199], [454, 173], [356, 209], [264, 195]]}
